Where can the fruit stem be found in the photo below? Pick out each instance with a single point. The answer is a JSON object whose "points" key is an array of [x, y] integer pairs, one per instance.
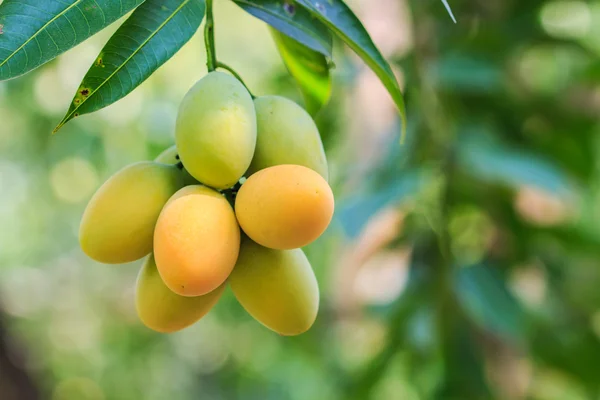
{"points": [[235, 74], [209, 38]]}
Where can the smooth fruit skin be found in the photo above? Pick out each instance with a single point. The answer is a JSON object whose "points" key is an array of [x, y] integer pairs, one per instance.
{"points": [[286, 135], [164, 311], [216, 130], [196, 241], [284, 207], [118, 223], [277, 287], [170, 156]]}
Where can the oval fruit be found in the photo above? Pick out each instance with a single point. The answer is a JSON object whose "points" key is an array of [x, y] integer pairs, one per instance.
{"points": [[286, 135], [196, 241], [168, 156], [118, 223], [284, 207], [277, 287], [171, 156], [216, 130], [164, 311]]}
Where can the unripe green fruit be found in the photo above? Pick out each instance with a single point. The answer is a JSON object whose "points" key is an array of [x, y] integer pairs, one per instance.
{"points": [[196, 241], [170, 156], [285, 206], [286, 135], [216, 130], [277, 287], [118, 223], [164, 311]]}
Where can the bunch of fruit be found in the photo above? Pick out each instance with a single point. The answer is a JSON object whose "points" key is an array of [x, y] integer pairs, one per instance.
{"points": [[185, 209]]}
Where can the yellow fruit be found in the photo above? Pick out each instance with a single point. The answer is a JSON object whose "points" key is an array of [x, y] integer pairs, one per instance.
{"points": [[216, 130], [286, 135], [196, 241], [277, 287], [284, 207], [170, 156], [118, 223], [164, 311]]}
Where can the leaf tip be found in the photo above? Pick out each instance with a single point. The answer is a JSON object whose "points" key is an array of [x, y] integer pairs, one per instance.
{"points": [[59, 126], [449, 10]]}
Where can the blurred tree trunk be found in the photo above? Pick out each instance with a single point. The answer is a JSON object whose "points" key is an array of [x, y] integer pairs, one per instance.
{"points": [[15, 382]]}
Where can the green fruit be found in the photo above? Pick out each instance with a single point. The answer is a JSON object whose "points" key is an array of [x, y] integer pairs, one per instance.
{"points": [[216, 130], [118, 223], [171, 156], [277, 287], [286, 135], [164, 311]]}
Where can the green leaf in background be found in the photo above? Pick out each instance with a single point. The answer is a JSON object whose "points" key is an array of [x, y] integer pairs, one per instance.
{"points": [[293, 21], [151, 36], [485, 298], [493, 161], [356, 212], [309, 68], [340, 19], [35, 31], [449, 10], [468, 74]]}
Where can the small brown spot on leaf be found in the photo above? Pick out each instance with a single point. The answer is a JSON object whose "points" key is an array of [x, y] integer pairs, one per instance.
{"points": [[76, 101], [99, 61], [76, 115], [85, 92], [289, 8]]}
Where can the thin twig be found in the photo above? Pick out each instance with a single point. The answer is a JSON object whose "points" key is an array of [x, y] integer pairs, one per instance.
{"points": [[235, 74], [209, 38]]}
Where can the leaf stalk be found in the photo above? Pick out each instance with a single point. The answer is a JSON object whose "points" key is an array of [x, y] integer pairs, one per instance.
{"points": [[235, 74]]}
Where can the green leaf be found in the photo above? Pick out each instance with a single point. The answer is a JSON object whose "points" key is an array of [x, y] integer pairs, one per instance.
{"points": [[35, 32], [449, 10], [355, 212], [492, 161], [309, 68], [150, 37], [293, 21], [340, 19], [485, 298]]}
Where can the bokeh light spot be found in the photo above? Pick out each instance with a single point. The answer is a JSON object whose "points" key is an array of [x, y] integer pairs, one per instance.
{"points": [[73, 179], [566, 19]]}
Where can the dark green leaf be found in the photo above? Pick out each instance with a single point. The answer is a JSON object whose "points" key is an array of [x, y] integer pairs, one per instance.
{"points": [[486, 299], [449, 10], [293, 21], [151, 36], [35, 31], [309, 68], [340, 19], [569, 345]]}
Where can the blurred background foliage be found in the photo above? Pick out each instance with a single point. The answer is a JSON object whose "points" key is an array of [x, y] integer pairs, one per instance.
{"points": [[461, 265]]}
